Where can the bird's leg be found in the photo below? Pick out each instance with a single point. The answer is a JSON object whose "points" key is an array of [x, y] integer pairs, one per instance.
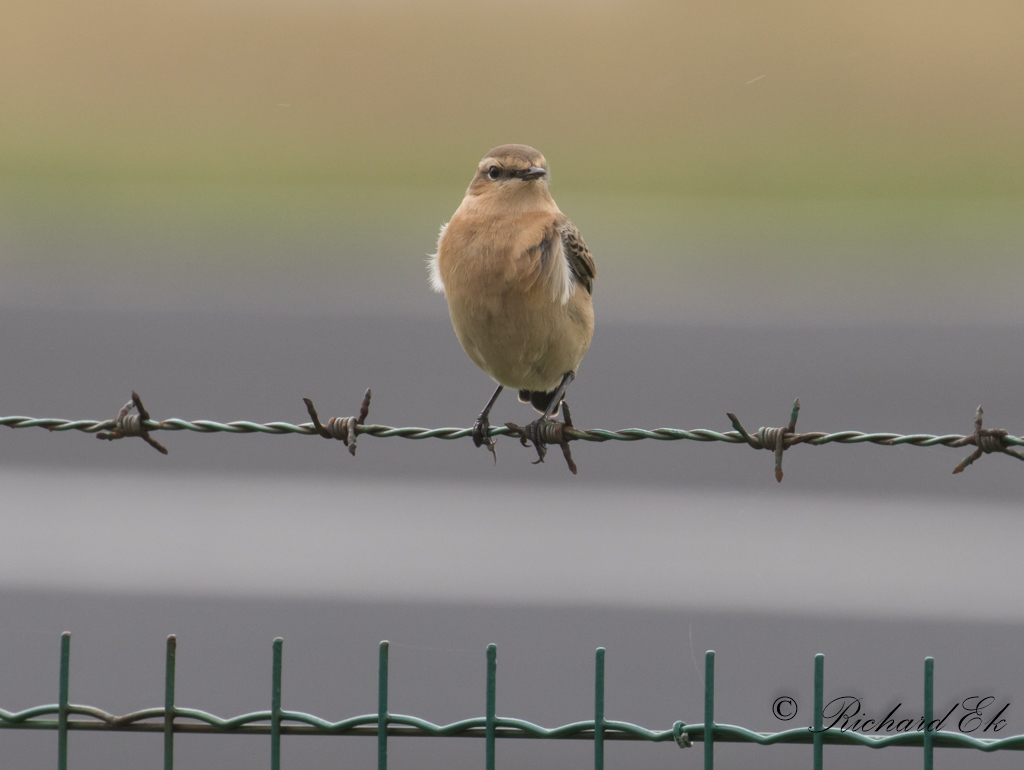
{"points": [[482, 426], [556, 401], [533, 430]]}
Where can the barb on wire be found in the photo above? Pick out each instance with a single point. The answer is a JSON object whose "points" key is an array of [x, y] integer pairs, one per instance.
{"points": [[132, 425], [344, 429], [773, 439], [347, 429], [987, 440]]}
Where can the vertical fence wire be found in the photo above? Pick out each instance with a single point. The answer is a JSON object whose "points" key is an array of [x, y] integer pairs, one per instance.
{"points": [[929, 704], [491, 718], [62, 712], [382, 707], [819, 704], [709, 710], [169, 667], [275, 707], [599, 710]]}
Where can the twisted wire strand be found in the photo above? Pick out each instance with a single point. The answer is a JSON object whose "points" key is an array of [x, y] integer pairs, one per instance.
{"points": [[540, 433], [404, 725], [597, 435]]}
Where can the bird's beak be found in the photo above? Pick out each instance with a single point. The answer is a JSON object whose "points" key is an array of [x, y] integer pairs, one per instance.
{"points": [[535, 172]]}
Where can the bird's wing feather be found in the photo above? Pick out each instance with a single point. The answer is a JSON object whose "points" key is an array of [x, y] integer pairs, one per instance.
{"points": [[581, 261], [565, 261], [552, 265]]}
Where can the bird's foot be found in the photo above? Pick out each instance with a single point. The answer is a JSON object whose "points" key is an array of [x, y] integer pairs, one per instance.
{"points": [[482, 437], [534, 432], [540, 433]]}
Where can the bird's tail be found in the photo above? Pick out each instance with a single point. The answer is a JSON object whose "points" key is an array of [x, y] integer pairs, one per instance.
{"points": [[539, 400]]}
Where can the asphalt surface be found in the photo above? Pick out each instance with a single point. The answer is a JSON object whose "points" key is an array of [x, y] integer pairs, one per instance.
{"points": [[875, 556], [278, 535]]}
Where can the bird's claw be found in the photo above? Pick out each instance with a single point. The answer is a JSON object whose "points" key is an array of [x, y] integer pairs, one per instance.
{"points": [[482, 437], [532, 433], [544, 432]]}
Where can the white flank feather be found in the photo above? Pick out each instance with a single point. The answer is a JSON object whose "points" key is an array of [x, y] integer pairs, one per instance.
{"points": [[433, 271], [564, 282]]}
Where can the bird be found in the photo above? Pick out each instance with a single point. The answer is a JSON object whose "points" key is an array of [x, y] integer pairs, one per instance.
{"points": [[518, 279]]}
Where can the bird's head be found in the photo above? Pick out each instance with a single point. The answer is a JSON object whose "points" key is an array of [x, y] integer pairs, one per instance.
{"points": [[512, 171]]}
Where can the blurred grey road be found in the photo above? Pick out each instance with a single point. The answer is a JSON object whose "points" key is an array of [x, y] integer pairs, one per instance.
{"points": [[625, 546], [875, 556]]}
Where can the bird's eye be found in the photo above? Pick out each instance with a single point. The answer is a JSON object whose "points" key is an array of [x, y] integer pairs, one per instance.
{"points": [[494, 172]]}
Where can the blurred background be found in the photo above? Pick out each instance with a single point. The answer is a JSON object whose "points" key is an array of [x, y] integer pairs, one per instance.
{"points": [[228, 205]]}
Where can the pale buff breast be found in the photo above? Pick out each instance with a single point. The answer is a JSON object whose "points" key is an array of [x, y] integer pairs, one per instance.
{"points": [[507, 313]]}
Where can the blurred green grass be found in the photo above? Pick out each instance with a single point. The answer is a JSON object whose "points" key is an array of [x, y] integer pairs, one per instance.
{"points": [[265, 197], [696, 132]]}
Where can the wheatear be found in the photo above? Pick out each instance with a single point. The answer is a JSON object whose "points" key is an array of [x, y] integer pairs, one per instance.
{"points": [[518, 279]]}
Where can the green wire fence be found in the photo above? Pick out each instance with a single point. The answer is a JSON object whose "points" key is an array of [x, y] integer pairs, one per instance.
{"points": [[348, 429], [172, 719]]}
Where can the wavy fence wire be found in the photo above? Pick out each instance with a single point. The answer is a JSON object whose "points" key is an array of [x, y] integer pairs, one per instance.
{"points": [[277, 721]]}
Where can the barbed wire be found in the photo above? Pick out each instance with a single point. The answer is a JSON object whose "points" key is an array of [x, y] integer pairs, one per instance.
{"points": [[348, 429]]}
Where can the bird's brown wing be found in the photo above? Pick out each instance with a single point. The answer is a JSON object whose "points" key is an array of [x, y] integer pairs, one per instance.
{"points": [[562, 259], [581, 261]]}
